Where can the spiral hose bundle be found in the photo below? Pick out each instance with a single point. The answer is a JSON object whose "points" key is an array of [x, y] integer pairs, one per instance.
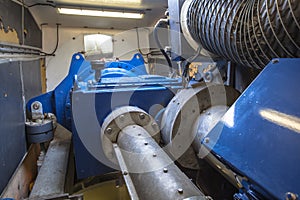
{"points": [[248, 32]]}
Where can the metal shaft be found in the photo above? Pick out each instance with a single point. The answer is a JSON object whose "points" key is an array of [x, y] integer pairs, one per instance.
{"points": [[152, 172]]}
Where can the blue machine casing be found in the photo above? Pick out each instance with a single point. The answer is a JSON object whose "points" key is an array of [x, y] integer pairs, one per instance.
{"points": [[106, 100], [122, 83], [259, 136]]}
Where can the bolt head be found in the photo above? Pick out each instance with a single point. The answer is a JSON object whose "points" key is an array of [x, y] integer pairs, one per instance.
{"points": [[180, 190], [36, 106], [206, 140], [125, 173], [109, 131], [291, 196], [142, 116], [122, 118], [154, 126], [275, 61], [165, 170]]}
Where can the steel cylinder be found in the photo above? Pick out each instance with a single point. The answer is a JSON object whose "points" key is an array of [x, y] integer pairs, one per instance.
{"points": [[248, 32], [161, 179]]}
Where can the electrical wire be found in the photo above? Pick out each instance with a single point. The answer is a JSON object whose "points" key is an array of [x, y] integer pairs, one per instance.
{"points": [[155, 33], [42, 4], [57, 41], [26, 51], [138, 43], [140, 51]]}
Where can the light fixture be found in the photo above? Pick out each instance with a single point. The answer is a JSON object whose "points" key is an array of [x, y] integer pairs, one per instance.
{"points": [[119, 1], [101, 13]]}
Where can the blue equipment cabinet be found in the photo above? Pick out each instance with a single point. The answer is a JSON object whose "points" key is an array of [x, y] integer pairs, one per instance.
{"points": [[260, 134]]}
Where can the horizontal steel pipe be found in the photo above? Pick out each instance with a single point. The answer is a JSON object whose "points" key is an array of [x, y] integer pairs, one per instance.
{"points": [[158, 177]]}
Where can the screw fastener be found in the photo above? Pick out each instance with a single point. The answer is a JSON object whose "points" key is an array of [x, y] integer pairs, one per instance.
{"points": [[36, 106], [108, 130], [180, 190], [122, 118], [142, 116], [291, 196], [206, 140]]}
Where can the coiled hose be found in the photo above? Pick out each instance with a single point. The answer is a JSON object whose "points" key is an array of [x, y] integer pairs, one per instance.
{"points": [[248, 32]]}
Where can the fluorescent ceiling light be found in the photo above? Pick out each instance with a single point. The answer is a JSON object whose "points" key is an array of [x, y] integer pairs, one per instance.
{"points": [[100, 13], [120, 1]]}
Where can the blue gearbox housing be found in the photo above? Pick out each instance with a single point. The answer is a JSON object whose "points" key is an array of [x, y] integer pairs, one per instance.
{"points": [[100, 87]]}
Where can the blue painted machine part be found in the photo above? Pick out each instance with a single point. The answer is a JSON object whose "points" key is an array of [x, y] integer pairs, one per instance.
{"points": [[132, 68], [145, 92], [58, 100], [119, 80], [259, 136]]}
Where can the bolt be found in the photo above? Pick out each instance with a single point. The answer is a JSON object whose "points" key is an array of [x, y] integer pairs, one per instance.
{"points": [[36, 106], [275, 61], [206, 140], [180, 190], [122, 118], [125, 173], [68, 105], [142, 116], [139, 134], [154, 126], [108, 131], [146, 143], [154, 155], [165, 170], [291, 196], [208, 113]]}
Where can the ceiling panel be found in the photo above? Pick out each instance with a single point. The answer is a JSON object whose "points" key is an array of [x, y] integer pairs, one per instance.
{"points": [[154, 9]]}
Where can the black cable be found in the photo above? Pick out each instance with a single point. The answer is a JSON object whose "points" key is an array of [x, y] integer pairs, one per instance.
{"points": [[42, 4], [138, 42], [15, 49], [155, 33], [57, 41], [188, 63], [140, 51], [30, 52]]}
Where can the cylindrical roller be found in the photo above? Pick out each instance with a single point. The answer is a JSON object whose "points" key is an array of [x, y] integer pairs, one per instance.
{"points": [[183, 110], [204, 124], [250, 32], [165, 181]]}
